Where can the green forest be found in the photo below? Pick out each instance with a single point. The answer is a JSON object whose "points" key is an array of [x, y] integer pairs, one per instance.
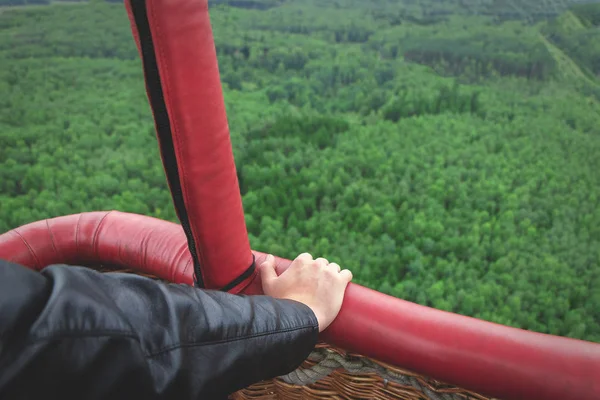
{"points": [[447, 152]]}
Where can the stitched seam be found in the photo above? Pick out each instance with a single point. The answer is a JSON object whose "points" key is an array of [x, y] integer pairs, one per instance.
{"points": [[94, 243], [63, 335], [235, 339], [173, 121], [187, 265], [29, 247], [77, 234], [144, 248], [52, 241]]}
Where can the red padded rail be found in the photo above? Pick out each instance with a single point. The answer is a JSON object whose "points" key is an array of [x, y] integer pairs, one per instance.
{"points": [[488, 358], [134, 241], [176, 45]]}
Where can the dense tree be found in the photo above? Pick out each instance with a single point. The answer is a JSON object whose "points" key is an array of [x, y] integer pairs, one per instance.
{"points": [[446, 155]]}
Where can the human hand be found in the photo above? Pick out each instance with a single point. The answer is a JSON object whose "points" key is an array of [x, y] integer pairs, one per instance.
{"points": [[317, 283]]}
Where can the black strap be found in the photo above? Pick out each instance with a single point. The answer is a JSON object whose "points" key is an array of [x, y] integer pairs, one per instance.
{"points": [[242, 277]]}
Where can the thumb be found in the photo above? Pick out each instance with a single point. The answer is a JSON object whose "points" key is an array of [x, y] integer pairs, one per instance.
{"points": [[267, 271]]}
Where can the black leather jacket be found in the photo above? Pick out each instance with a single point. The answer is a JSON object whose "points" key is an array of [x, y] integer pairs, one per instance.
{"points": [[70, 332]]}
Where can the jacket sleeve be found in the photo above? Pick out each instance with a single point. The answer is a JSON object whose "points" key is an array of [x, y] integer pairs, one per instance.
{"points": [[71, 332]]}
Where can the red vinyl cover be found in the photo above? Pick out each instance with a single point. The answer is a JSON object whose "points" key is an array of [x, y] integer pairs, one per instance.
{"points": [[492, 359], [177, 49], [145, 244]]}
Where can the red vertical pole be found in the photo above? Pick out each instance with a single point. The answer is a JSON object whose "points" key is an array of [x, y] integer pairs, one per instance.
{"points": [[177, 48]]}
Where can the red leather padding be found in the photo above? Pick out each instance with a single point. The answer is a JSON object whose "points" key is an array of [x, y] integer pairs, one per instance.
{"points": [[499, 361], [186, 56], [114, 238]]}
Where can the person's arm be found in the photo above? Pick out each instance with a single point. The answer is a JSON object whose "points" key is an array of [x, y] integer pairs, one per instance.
{"points": [[70, 332]]}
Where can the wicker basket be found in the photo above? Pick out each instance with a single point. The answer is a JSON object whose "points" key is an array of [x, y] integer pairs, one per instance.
{"points": [[357, 377], [331, 373]]}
